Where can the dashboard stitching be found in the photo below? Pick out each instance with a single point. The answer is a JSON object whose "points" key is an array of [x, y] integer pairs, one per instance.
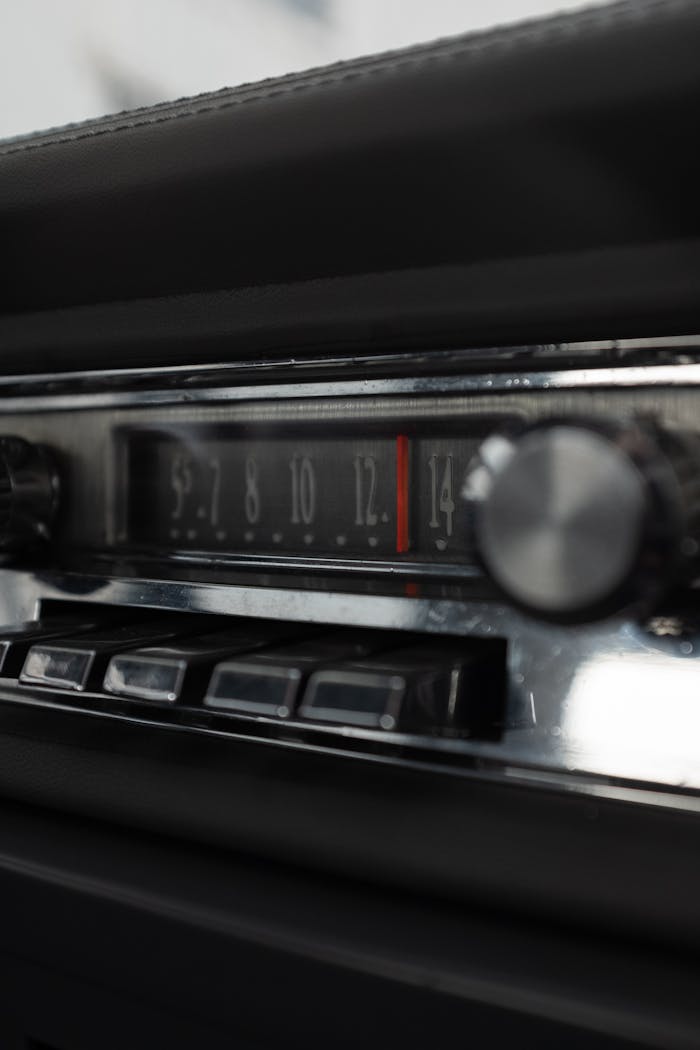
{"points": [[533, 31]]}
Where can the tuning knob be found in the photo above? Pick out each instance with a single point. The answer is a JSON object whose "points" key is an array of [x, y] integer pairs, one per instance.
{"points": [[574, 520], [28, 493]]}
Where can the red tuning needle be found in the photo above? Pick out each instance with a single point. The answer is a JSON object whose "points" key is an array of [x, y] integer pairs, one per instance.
{"points": [[401, 494]]}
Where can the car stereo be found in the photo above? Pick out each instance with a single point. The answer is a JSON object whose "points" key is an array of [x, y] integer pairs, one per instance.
{"points": [[407, 555]]}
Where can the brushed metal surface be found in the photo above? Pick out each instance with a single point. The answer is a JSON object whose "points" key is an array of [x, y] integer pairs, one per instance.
{"points": [[561, 527]]}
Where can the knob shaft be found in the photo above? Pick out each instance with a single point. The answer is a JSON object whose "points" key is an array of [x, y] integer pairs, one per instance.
{"points": [[574, 520], [28, 493]]}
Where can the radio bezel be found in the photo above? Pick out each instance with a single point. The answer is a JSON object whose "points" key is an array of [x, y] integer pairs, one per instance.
{"points": [[536, 744]]}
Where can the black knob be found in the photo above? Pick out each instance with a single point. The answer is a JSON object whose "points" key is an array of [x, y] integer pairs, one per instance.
{"points": [[28, 493], [576, 519]]}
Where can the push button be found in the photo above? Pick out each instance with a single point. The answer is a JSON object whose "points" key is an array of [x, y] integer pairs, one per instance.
{"points": [[79, 663], [166, 674], [269, 683], [18, 639], [254, 688], [356, 697], [437, 689]]}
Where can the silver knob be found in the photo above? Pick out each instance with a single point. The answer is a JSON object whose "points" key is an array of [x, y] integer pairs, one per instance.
{"points": [[28, 493], [573, 520]]}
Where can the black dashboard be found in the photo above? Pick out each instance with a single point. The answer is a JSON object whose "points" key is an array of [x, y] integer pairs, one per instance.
{"points": [[350, 551]]}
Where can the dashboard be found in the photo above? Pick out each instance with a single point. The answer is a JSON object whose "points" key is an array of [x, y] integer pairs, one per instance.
{"points": [[348, 579]]}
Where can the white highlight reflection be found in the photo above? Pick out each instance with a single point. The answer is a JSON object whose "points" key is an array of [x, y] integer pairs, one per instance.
{"points": [[636, 716]]}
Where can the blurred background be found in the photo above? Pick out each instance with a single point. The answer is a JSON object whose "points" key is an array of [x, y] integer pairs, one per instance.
{"points": [[67, 61]]}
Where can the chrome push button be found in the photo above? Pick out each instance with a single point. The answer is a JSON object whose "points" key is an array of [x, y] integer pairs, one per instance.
{"points": [[18, 639], [457, 686], [355, 697]]}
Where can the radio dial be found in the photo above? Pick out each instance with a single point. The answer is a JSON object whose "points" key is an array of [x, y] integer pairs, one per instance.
{"points": [[28, 493], [577, 519]]}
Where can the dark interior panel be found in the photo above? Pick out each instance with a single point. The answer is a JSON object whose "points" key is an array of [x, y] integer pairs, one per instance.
{"points": [[453, 170], [298, 746]]}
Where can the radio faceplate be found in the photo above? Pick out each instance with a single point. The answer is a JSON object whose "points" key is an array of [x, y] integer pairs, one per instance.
{"points": [[161, 509], [170, 480]]}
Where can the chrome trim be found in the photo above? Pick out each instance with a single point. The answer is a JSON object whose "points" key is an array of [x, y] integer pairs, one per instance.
{"points": [[21, 590], [627, 376], [299, 564], [453, 358]]}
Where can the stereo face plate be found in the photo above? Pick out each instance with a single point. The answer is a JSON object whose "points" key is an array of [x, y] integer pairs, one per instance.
{"points": [[318, 480], [343, 505]]}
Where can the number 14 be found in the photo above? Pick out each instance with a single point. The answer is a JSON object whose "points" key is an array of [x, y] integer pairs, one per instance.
{"points": [[441, 493]]}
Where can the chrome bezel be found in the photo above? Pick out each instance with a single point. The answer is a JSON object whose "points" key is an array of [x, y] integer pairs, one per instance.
{"points": [[535, 745]]}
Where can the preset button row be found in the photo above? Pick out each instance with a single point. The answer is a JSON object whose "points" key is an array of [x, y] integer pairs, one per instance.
{"points": [[357, 678]]}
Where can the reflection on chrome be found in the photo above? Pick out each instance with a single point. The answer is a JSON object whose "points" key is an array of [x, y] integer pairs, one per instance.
{"points": [[635, 716]]}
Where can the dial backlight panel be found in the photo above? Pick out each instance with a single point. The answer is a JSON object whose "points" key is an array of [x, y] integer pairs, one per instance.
{"points": [[383, 496]]}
